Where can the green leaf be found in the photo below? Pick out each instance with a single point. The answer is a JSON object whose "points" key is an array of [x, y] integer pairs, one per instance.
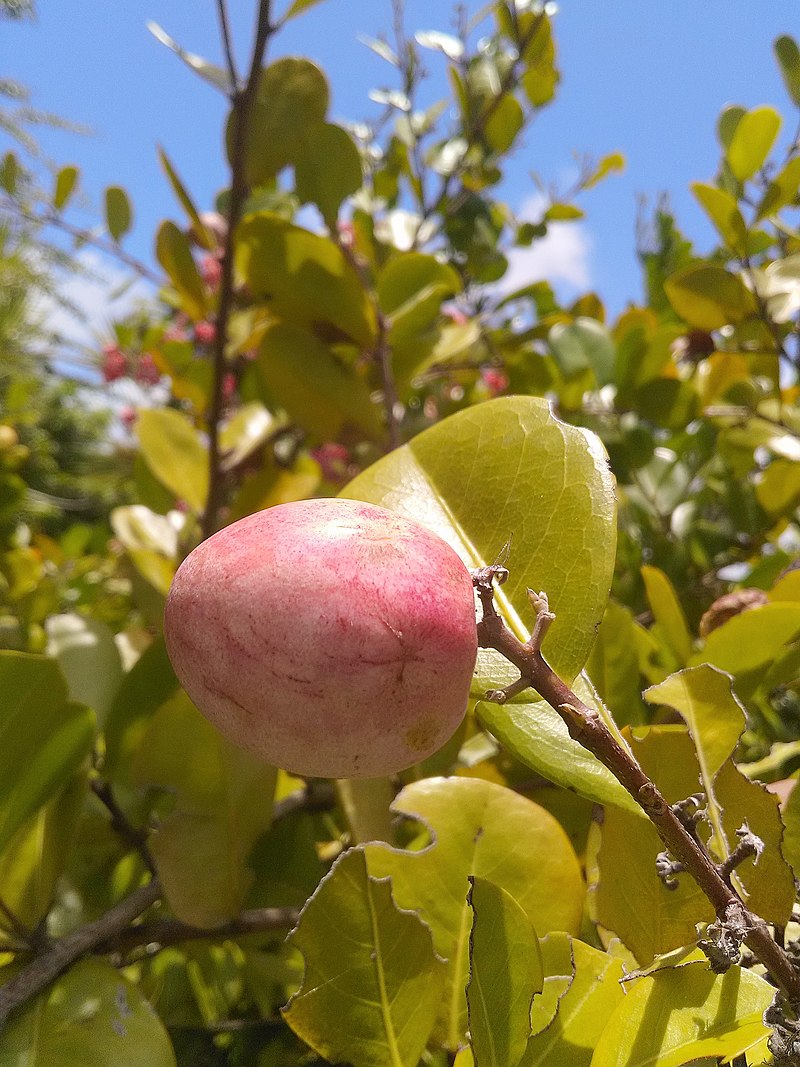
{"points": [[485, 830], [297, 7], [368, 962], [716, 719], [767, 884], [214, 75], [584, 344], [699, 1013], [44, 738], [709, 297], [781, 190], [508, 470], [788, 55], [538, 737], [174, 453], [175, 255], [668, 613], [411, 288], [752, 639], [724, 213], [223, 803], [505, 974], [146, 686], [292, 97], [118, 212], [90, 1015], [504, 123], [88, 657], [729, 119], [630, 898], [583, 1009], [791, 840], [613, 666], [327, 169], [752, 141], [202, 235], [9, 173], [34, 859], [302, 377], [66, 180], [615, 161], [304, 277]]}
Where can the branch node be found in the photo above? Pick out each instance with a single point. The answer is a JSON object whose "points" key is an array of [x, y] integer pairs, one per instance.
{"points": [[749, 845], [544, 619], [724, 938], [784, 1042], [667, 868], [651, 801]]}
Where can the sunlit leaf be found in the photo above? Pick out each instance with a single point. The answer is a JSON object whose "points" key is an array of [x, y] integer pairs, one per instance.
{"points": [[88, 657], [752, 140], [297, 7], [583, 1008], [584, 344], [613, 666], [304, 277], [700, 1014], [216, 76], [504, 123], [198, 228], [485, 830], [174, 253], [327, 168], [367, 962], [505, 973], [709, 297], [411, 288], [724, 213], [174, 453]]}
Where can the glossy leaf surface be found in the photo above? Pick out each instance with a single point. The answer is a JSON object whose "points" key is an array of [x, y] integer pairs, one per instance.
{"points": [[175, 454]]}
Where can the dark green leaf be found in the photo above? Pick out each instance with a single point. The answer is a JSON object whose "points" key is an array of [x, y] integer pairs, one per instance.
{"points": [[118, 212], [66, 180], [788, 56]]}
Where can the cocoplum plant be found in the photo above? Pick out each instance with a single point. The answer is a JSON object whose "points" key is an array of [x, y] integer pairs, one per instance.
{"points": [[333, 638]]}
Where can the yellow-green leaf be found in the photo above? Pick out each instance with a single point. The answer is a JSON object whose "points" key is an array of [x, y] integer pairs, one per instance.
{"points": [[709, 297], [505, 974], [66, 180], [485, 830], [724, 213], [369, 963], [175, 454], [781, 190], [198, 228], [699, 1013], [175, 255], [668, 613], [304, 277], [327, 169], [752, 141]]}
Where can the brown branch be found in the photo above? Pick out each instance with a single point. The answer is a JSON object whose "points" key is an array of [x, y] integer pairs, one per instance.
{"points": [[242, 106], [588, 729], [61, 954], [163, 932], [121, 824], [316, 796], [391, 403]]}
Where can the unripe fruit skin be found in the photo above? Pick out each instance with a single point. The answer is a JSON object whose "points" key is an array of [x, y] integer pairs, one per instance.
{"points": [[331, 637]]}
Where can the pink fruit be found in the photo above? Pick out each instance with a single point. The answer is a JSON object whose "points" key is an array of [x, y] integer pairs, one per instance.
{"points": [[205, 332], [331, 637], [115, 363]]}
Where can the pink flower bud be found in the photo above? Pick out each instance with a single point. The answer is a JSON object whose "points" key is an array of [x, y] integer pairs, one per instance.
{"points": [[495, 380], [211, 271], [127, 415], [115, 363], [205, 332], [147, 373]]}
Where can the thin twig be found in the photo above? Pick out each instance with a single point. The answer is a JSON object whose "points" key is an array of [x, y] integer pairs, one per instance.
{"points": [[243, 99], [316, 796], [61, 954], [227, 43], [587, 728], [121, 824], [109, 248], [163, 932]]}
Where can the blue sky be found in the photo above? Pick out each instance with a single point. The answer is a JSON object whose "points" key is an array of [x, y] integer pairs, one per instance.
{"points": [[644, 77]]}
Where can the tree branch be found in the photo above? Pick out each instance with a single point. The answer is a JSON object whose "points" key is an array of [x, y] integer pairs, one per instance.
{"points": [[588, 729], [227, 43], [242, 105], [136, 839], [163, 932], [61, 954]]}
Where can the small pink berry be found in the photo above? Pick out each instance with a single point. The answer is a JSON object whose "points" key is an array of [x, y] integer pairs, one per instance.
{"points": [[495, 380], [205, 332], [211, 271], [127, 416], [147, 373], [456, 315], [115, 363], [228, 385]]}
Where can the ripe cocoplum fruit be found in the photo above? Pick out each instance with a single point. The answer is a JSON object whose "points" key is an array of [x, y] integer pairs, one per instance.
{"points": [[331, 637]]}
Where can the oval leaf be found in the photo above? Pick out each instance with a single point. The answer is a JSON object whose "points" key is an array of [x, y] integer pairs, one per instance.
{"points": [[174, 253], [175, 454], [368, 962], [66, 181], [752, 141], [327, 169], [118, 212]]}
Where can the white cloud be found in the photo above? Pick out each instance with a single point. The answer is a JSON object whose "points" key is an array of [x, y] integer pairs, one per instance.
{"points": [[562, 256]]}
